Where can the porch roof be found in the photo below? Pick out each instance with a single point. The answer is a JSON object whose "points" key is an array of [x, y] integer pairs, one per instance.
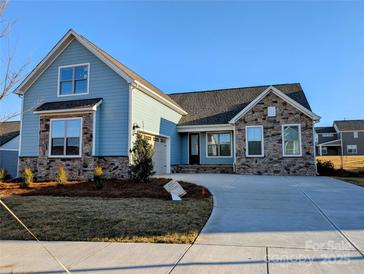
{"points": [[69, 105]]}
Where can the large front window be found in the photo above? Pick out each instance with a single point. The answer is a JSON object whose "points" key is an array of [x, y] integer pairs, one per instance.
{"points": [[219, 144], [73, 80], [291, 140], [254, 141], [65, 137]]}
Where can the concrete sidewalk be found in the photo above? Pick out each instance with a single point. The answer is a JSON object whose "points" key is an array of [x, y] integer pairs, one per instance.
{"points": [[89, 257]]}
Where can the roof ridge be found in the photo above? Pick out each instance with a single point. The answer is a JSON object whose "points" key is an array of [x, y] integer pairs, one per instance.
{"points": [[225, 89], [352, 120], [17, 121]]}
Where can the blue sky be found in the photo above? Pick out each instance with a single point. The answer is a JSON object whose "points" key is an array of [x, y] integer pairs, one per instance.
{"points": [[187, 46]]}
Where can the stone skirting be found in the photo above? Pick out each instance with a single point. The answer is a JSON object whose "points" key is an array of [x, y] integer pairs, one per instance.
{"points": [[201, 169], [44, 168]]}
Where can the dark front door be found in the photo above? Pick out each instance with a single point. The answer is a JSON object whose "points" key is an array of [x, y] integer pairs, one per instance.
{"points": [[194, 149]]}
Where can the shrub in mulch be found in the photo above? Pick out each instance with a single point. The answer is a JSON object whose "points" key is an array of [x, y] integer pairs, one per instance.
{"points": [[61, 176], [326, 168], [99, 177], [111, 189], [27, 178]]}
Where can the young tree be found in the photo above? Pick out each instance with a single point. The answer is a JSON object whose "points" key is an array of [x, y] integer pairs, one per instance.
{"points": [[142, 167]]}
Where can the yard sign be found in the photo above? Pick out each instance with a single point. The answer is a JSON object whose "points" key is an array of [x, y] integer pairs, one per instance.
{"points": [[174, 188]]}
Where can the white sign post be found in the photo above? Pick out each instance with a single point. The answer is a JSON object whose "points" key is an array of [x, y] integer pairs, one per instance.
{"points": [[175, 189]]}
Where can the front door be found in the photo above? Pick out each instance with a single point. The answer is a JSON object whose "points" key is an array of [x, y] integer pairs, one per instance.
{"points": [[194, 149]]}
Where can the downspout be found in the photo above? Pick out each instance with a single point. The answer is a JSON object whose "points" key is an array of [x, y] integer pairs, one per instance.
{"points": [[20, 135], [234, 147], [341, 150], [130, 121], [314, 147]]}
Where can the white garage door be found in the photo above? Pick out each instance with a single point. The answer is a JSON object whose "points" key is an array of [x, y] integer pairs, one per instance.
{"points": [[159, 159]]}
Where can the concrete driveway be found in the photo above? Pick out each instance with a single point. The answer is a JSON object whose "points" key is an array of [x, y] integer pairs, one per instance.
{"points": [[259, 224], [267, 224]]}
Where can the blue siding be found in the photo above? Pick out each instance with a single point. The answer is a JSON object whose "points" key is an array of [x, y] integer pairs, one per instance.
{"points": [[151, 115], [204, 160], [112, 122], [184, 156]]}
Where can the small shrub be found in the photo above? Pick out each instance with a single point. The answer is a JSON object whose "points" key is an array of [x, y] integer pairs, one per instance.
{"points": [[61, 176], [325, 168], [142, 167], [27, 177], [99, 177], [3, 174]]}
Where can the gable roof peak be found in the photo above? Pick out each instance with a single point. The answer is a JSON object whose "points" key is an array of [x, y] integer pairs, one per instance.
{"points": [[123, 71]]}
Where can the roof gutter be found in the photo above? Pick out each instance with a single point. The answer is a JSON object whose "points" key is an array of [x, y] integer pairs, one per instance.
{"points": [[200, 128]]}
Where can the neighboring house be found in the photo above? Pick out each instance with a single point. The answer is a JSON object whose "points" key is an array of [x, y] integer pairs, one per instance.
{"points": [[345, 137], [86, 107], [9, 146]]}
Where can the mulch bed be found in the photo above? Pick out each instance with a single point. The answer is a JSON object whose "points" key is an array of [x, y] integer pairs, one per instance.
{"points": [[111, 189]]}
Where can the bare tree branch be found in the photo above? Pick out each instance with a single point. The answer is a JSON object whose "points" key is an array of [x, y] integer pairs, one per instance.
{"points": [[6, 25], [9, 76]]}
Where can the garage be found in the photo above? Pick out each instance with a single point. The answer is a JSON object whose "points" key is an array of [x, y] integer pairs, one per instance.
{"points": [[160, 147]]}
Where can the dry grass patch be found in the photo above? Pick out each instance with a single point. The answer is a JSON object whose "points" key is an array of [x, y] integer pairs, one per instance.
{"points": [[101, 219], [359, 181]]}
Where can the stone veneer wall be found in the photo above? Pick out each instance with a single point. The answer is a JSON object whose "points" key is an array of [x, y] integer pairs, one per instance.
{"points": [[45, 168], [273, 163]]}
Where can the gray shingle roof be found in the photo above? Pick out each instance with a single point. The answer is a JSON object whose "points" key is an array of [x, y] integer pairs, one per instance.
{"points": [[8, 131], [130, 72], [69, 105], [220, 106], [325, 130], [346, 125]]}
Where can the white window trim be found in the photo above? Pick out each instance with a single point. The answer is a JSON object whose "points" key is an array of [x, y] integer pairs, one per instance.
{"points": [[262, 141], [59, 78], [347, 149], [300, 140], [356, 135], [206, 144], [50, 138], [271, 111]]}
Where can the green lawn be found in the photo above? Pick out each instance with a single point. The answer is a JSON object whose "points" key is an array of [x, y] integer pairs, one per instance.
{"points": [[359, 181], [105, 219]]}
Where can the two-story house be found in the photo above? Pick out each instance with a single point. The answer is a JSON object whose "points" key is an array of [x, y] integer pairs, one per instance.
{"points": [[345, 137], [82, 108]]}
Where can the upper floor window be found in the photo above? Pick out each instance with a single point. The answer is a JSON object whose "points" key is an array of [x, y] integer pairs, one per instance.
{"points": [[356, 134], [291, 137], [65, 138], [351, 149], [73, 80], [254, 141], [219, 144]]}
